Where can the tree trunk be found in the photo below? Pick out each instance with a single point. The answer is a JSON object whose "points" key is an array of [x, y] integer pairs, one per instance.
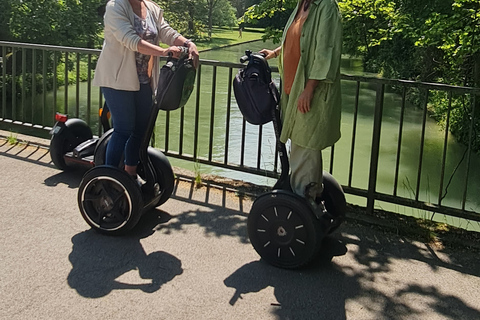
{"points": [[476, 70], [210, 18]]}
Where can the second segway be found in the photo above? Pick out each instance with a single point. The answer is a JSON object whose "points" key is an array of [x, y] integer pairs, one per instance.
{"points": [[111, 201], [284, 228]]}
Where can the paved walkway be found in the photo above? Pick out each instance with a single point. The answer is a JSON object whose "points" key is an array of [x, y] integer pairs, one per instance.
{"points": [[191, 259]]}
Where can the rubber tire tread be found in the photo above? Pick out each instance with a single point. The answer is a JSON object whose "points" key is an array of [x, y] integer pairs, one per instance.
{"points": [[285, 198]]}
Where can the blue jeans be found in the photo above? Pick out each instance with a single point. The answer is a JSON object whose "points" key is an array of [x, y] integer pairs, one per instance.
{"points": [[130, 112]]}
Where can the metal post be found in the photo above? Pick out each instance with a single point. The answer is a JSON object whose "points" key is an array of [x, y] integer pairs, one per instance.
{"points": [[377, 125]]}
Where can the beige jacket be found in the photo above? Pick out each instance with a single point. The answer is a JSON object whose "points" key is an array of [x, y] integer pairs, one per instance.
{"points": [[116, 67]]}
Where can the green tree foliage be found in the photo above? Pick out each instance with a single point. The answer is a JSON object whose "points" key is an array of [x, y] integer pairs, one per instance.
{"points": [[456, 35], [5, 11], [433, 41], [270, 14], [185, 16], [192, 17], [58, 22], [242, 5]]}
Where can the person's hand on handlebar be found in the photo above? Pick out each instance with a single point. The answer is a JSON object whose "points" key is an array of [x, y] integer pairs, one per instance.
{"points": [[193, 53], [269, 54], [175, 51]]}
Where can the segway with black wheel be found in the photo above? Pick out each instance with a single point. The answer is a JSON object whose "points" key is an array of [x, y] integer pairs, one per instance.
{"points": [[111, 201], [284, 228]]}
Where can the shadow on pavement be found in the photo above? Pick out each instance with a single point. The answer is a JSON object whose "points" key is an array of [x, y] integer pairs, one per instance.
{"points": [[315, 292], [98, 261], [374, 285], [71, 178]]}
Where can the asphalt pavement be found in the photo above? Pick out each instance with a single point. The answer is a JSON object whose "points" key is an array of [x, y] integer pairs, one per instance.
{"points": [[191, 259]]}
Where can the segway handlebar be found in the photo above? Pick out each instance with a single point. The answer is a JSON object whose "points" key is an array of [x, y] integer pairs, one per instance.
{"points": [[249, 53]]}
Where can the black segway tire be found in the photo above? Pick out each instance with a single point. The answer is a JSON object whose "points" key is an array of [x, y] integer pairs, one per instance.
{"points": [[75, 132], [164, 173], [334, 200], [109, 200], [283, 229]]}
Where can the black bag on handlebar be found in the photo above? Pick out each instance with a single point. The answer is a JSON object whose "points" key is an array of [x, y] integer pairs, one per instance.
{"points": [[254, 90], [175, 83]]}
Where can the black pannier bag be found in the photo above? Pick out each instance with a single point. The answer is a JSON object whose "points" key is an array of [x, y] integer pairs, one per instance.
{"points": [[254, 90], [175, 84]]}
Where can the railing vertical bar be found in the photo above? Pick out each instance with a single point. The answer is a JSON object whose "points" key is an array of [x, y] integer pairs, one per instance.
{"points": [[276, 158], [377, 126], [399, 143], [259, 146], [242, 148], [212, 113], [65, 102], [227, 121], [34, 84], [14, 83], [469, 152], [89, 88], [24, 78], [77, 86], [44, 85], [422, 147], [167, 130], [445, 144], [4, 82], [182, 127], [197, 113], [354, 134], [54, 85], [332, 153], [100, 105]]}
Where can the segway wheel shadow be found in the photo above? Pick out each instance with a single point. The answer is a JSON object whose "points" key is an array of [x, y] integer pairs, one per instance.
{"points": [[283, 230], [109, 200]]}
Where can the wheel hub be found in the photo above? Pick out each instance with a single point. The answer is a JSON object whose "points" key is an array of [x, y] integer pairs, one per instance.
{"points": [[281, 232], [106, 203]]}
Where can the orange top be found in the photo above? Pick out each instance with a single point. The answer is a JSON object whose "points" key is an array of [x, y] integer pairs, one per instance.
{"points": [[291, 52]]}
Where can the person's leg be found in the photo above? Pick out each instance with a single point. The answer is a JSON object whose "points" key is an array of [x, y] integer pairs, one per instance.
{"points": [[306, 170], [143, 108], [122, 108]]}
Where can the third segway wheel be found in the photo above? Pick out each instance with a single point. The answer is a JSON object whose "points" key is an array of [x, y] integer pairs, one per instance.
{"points": [[75, 132], [110, 201], [334, 199], [283, 229]]}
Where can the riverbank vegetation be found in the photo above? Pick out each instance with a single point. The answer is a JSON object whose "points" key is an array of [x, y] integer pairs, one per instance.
{"points": [[429, 41]]}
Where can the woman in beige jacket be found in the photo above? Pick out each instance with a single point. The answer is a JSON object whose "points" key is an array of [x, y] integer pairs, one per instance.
{"points": [[127, 71]]}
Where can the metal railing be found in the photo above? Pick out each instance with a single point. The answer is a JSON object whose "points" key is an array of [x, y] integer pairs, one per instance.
{"points": [[210, 130]]}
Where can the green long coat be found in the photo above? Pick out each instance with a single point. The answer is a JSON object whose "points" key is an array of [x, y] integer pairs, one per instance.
{"points": [[320, 47]]}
